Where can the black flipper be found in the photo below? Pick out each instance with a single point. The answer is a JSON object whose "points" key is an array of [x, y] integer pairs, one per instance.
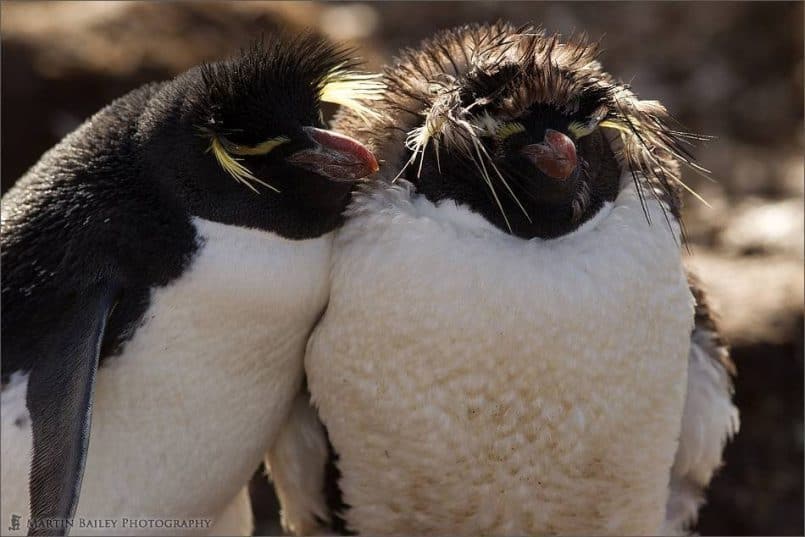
{"points": [[59, 398]]}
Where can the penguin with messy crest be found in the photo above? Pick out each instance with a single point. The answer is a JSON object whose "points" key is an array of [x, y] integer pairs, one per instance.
{"points": [[512, 344], [163, 266]]}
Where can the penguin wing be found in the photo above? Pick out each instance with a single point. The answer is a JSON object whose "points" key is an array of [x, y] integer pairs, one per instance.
{"points": [[297, 463], [59, 398], [709, 419]]}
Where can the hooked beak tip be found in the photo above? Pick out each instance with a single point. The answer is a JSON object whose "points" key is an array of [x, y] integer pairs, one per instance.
{"points": [[335, 156], [555, 156]]}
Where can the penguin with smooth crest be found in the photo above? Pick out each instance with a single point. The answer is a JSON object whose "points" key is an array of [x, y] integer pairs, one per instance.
{"points": [[512, 345], [163, 266]]}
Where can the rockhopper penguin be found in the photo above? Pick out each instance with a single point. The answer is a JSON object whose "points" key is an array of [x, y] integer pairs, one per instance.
{"points": [[511, 346], [163, 266]]}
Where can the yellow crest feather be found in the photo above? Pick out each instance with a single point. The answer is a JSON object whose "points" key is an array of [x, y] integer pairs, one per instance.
{"points": [[230, 165], [350, 89], [623, 129], [259, 149]]}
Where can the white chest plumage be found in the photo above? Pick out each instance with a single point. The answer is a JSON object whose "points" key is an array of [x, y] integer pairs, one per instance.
{"points": [[184, 415], [476, 383]]}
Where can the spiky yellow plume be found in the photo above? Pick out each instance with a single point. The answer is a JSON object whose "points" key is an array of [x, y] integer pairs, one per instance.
{"points": [[230, 165], [350, 89]]}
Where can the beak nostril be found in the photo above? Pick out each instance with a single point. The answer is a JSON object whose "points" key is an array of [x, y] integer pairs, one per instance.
{"points": [[555, 156], [335, 156]]}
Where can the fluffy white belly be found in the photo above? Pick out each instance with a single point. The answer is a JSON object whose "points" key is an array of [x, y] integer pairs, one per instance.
{"points": [[476, 383], [183, 417]]}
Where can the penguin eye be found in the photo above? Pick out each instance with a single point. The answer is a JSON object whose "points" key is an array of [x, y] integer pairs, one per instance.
{"points": [[507, 129], [262, 148], [580, 129], [223, 149]]}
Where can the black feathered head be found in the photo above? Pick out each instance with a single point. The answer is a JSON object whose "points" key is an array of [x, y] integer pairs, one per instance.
{"points": [[270, 93], [248, 140], [523, 128]]}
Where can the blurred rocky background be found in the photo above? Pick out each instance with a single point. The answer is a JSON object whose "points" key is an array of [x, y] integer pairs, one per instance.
{"points": [[731, 70]]}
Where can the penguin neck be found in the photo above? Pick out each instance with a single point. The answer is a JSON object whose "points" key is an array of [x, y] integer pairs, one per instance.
{"points": [[300, 210], [463, 216]]}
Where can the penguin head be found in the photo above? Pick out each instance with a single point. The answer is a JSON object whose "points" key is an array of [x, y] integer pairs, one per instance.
{"points": [[243, 141], [526, 130], [536, 168]]}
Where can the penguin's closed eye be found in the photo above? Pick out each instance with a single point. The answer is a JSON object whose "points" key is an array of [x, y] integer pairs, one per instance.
{"points": [[257, 119]]}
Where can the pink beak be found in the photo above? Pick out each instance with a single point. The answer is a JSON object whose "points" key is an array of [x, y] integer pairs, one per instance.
{"points": [[335, 156], [555, 156]]}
